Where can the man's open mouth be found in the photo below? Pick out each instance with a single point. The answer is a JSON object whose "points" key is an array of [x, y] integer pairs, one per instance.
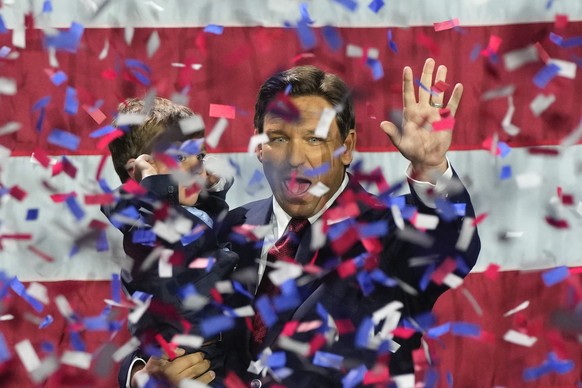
{"points": [[297, 186]]}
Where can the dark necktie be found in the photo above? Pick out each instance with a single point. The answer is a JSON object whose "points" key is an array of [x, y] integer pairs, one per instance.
{"points": [[284, 249]]}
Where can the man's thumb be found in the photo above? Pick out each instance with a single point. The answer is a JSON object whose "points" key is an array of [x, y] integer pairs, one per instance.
{"points": [[391, 130]]}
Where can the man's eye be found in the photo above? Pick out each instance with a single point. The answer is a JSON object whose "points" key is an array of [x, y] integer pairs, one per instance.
{"points": [[181, 157], [278, 140], [315, 140], [201, 156]]}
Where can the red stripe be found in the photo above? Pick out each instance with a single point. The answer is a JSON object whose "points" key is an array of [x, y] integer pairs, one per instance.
{"points": [[236, 62]]}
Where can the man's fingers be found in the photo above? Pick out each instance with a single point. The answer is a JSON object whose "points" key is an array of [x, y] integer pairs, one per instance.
{"points": [[441, 75], [180, 364], [455, 99], [207, 377], [195, 370], [426, 80], [408, 98]]}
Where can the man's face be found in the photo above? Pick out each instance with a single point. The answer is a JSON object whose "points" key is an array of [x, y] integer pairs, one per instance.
{"points": [[293, 150]]}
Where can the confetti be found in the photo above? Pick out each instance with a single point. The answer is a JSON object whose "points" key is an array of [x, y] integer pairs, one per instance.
{"points": [[351, 5], [545, 75], [376, 5], [214, 29], [325, 120], [64, 139], [555, 276], [191, 125], [306, 35], [541, 103], [332, 37], [446, 25], [520, 307], [515, 59]]}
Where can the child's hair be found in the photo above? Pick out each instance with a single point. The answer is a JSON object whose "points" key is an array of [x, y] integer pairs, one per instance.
{"points": [[162, 119]]}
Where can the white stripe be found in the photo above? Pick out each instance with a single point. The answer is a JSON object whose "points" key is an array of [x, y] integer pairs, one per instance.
{"points": [[274, 13], [519, 213]]}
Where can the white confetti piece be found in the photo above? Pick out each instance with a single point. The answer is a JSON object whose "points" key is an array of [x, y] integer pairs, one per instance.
{"points": [[153, 44], [104, 51], [6, 317], [48, 366], [10, 127], [353, 51], [19, 35], [425, 221], [285, 272], [573, 137], [520, 307], [125, 349], [415, 237], [214, 137], [244, 311], [397, 215], [318, 189], [38, 292], [318, 237], [155, 6], [164, 265], [80, 360], [308, 326], [128, 35], [515, 59], [191, 125], [52, 57], [224, 287], [387, 310], [452, 281], [64, 307], [193, 341], [515, 337], [255, 140], [166, 232], [7, 86], [541, 103], [130, 119], [294, 346], [506, 124], [579, 208], [325, 120], [473, 301], [567, 69], [528, 180], [503, 91], [134, 316], [27, 355], [466, 235]]}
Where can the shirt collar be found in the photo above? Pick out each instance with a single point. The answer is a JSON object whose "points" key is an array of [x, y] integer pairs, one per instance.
{"points": [[282, 218]]}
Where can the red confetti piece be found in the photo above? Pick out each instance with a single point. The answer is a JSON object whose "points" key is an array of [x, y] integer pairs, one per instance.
{"points": [[290, 328], [99, 199], [347, 268], [41, 254], [233, 381], [492, 271], [403, 332], [373, 245], [444, 124], [301, 56], [168, 347], [479, 218], [133, 187], [96, 114], [446, 25], [16, 236], [105, 140], [378, 375], [558, 224], [62, 197], [100, 167], [316, 343], [543, 151], [18, 193], [561, 21], [428, 43], [216, 295], [446, 267], [542, 53], [345, 326], [69, 168], [109, 74], [226, 111], [440, 87], [99, 225], [343, 243], [41, 157]]}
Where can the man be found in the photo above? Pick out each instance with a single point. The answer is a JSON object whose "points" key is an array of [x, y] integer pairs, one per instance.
{"points": [[362, 264]]}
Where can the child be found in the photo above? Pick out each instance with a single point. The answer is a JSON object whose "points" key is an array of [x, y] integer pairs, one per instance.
{"points": [[167, 226]]}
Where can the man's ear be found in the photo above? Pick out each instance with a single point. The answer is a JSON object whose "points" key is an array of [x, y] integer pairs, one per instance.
{"points": [[130, 168], [350, 144], [259, 148]]}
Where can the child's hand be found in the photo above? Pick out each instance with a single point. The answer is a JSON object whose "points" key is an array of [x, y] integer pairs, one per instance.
{"points": [[143, 167]]}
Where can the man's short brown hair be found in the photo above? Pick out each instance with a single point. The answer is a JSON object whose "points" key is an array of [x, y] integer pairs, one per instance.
{"points": [[160, 128]]}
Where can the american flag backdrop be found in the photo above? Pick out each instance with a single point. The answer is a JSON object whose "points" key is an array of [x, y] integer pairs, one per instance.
{"points": [[66, 64]]}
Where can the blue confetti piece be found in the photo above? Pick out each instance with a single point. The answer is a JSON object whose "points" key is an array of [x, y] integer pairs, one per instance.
{"points": [[363, 333], [423, 87], [365, 282], [214, 29], [141, 296], [66, 40], [445, 209], [74, 250], [143, 236], [289, 298], [46, 322], [354, 377], [59, 78], [71, 102], [115, 288], [323, 168], [549, 4], [555, 275], [391, 42], [20, 290], [440, 330], [64, 139], [380, 277], [566, 43], [306, 35], [3, 29], [102, 131], [408, 212], [475, 53], [190, 238], [214, 325], [4, 51], [241, 290], [552, 364], [101, 243], [376, 5], [504, 148], [137, 64], [462, 266], [376, 67], [40, 120], [305, 13], [545, 75], [41, 103], [77, 342], [505, 172], [141, 78], [47, 347], [328, 360], [460, 209], [4, 352], [288, 90], [75, 208], [431, 378], [450, 379], [235, 165], [349, 4], [373, 229], [425, 280], [332, 37], [47, 6], [465, 329], [263, 305], [187, 291], [277, 360], [32, 214], [98, 323], [256, 178]]}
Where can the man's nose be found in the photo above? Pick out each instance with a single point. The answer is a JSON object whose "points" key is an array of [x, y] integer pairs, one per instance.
{"points": [[296, 154]]}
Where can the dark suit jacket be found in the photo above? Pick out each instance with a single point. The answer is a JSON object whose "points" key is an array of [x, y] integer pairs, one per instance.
{"points": [[343, 298]]}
